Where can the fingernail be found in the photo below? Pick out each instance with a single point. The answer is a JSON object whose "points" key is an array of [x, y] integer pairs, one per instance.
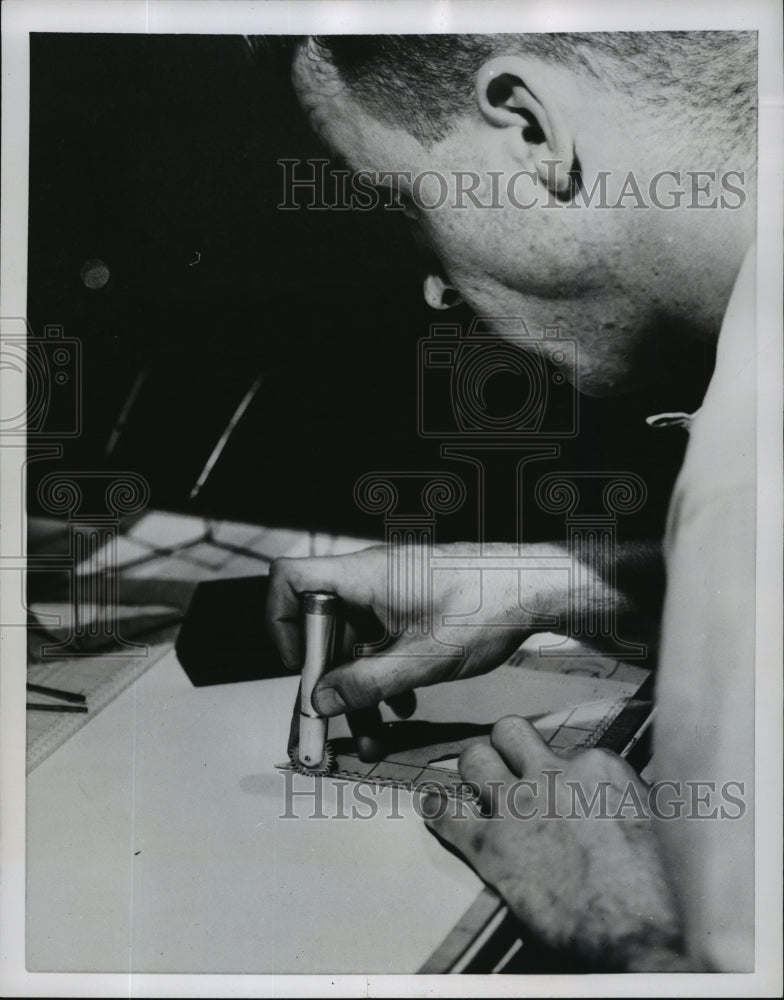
{"points": [[327, 701]]}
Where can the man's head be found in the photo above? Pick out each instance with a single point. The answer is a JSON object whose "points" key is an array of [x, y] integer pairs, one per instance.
{"points": [[553, 176]]}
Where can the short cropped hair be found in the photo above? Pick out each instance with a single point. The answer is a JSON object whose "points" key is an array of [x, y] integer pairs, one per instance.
{"points": [[706, 80]]}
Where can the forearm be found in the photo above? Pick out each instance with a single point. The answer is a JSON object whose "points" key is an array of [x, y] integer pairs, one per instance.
{"points": [[587, 591]]}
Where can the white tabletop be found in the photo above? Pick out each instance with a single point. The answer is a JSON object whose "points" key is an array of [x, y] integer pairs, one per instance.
{"points": [[155, 843]]}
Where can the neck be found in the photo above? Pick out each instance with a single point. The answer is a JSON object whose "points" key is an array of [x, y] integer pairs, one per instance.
{"points": [[704, 252]]}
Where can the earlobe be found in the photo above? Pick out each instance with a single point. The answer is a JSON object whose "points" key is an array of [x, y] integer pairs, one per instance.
{"points": [[438, 294], [509, 96]]}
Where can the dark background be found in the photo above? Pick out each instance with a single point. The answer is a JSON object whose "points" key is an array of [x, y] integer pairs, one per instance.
{"points": [[147, 151]]}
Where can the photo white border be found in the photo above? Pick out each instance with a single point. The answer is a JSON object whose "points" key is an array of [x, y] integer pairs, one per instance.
{"points": [[19, 17]]}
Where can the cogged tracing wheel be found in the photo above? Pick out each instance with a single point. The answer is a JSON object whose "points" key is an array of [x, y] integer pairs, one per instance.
{"points": [[325, 766]]}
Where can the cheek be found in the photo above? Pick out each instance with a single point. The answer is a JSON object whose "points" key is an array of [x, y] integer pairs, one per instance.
{"points": [[471, 254], [452, 249], [450, 239], [528, 253]]}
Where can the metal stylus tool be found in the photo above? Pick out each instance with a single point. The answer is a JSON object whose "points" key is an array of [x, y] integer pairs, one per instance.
{"points": [[313, 754]]}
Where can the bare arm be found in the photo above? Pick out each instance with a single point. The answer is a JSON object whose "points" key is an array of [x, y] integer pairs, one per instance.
{"points": [[455, 611]]}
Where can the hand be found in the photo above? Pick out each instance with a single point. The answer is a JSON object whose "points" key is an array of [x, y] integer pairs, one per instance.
{"points": [[592, 883], [421, 648]]}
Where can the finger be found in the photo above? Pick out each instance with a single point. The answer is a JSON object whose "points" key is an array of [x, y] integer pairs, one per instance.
{"points": [[282, 614], [482, 767], [282, 617], [522, 746], [403, 705], [356, 626], [288, 579], [367, 728], [374, 679], [294, 727], [461, 829]]}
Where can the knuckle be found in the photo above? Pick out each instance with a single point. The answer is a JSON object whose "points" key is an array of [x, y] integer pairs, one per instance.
{"points": [[357, 689], [473, 757], [599, 760], [509, 727], [473, 790], [279, 568]]}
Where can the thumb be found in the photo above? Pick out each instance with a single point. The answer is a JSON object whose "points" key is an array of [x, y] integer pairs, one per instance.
{"points": [[373, 679]]}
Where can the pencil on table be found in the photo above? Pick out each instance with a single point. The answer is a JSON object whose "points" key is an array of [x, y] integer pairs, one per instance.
{"points": [[39, 707], [72, 696]]}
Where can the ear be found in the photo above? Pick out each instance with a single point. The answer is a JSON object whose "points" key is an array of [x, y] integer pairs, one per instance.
{"points": [[438, 294], [510, 96]]}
